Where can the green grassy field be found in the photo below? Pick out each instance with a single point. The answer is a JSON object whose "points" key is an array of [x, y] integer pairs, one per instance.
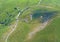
{"points": [[49, 34], [7, 15], [8, 6]]}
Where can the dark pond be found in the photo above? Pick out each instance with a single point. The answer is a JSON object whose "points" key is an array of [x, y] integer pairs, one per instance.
{"points": [[46, 15]]}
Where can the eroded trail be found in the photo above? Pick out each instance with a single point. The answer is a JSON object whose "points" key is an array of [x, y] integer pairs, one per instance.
{"points": [[13, 27], [35, 30], [31, 34], [40, 27]]}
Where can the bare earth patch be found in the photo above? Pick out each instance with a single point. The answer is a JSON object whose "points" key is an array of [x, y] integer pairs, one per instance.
{"points": [[37, 29]]}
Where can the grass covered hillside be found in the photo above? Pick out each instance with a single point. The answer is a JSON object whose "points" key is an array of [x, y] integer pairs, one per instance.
{"points": [[29, 21]]}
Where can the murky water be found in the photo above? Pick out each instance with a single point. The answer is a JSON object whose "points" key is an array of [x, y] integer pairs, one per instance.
{"points": [[46, 15]]}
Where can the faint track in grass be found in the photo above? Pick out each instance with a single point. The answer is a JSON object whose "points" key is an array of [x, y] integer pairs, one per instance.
{"points": [[35, 30], [40, 27], [13, 27]]}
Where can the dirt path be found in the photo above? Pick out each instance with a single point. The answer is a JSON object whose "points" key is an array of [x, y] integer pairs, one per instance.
{"points": [[37, 29], [31, 34], [40, 27], [13, 27]]}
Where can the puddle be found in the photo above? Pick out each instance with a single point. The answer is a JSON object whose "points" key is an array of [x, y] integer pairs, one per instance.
{"points": [[46, 15]]}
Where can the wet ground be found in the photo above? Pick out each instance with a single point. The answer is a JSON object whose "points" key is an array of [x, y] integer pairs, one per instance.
{"points": [[43, 15]]}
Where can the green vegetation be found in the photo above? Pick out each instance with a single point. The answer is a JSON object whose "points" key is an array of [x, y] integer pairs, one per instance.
{"points": [[53, 3], [8, 14], [50, 33], [24, 28]]}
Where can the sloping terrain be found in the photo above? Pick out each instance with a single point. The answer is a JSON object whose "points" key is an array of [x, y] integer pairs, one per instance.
{"points": [[29, 21]]}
